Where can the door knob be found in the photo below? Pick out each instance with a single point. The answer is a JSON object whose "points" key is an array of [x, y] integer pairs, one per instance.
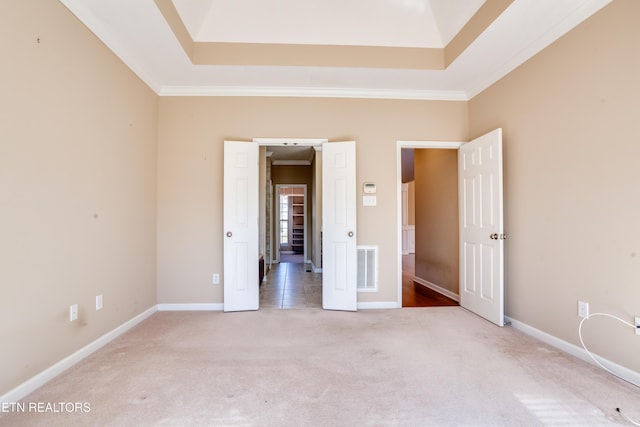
{"points": [[229, 234], [494, 236], [350, 234]]}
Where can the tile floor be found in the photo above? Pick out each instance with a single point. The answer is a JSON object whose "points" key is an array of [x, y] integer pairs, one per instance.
{"points": [[288, 285]]}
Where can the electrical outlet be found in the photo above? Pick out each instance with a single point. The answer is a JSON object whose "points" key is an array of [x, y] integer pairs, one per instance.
{"points": [[216, 279], [98, 302], [637, 325], [583, 309], [73, 312]]}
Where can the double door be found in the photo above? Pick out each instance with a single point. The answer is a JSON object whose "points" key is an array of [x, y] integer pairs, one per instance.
{"points": [[241, 226]]}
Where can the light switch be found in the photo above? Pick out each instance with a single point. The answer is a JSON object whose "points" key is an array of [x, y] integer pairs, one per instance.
{"points": [[369, 200]]}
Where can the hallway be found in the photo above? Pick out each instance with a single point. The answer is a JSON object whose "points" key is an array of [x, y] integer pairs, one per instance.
{"points": [[416, 295], [288, 285]]}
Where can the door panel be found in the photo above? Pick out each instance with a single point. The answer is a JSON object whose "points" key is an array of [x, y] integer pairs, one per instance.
{"points": [[241, 287], [481, 227], [339, 275]]}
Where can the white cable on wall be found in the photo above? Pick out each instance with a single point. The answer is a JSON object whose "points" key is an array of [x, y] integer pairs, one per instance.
{"points": [[598, 362]]}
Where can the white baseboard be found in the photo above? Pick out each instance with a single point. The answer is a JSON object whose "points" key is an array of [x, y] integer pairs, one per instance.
{"points": [[376, 305], [48, 374], [316, 269], [626, 374], [447, 293], [191, 307]]}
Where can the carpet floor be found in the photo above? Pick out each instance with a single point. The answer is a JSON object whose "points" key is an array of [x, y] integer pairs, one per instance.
{"points": [[439, 366]]}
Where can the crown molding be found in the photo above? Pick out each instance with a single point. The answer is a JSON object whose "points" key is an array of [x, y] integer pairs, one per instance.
{"points": [[291, 163], [290, 141], [430, 144], [82, 11], [314, 92], [565, 21], [466, 73]]}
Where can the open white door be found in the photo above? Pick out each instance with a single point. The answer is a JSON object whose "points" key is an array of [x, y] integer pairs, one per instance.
{"points": [[481, 227], [339, 255], [241, 287]]}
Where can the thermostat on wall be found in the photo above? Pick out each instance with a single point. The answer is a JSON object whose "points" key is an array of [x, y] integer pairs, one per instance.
{"points": [[369, 188]]}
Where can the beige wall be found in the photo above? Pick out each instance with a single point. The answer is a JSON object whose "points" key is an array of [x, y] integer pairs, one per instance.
{"points": [[190, 173], [77, 189], [411, 205], [78, 182], [262, 205], [316, 211], [571, 152], [436, 206]]}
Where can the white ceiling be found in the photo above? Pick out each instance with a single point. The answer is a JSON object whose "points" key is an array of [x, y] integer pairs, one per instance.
{"points": [[425, 23], [137, 32]]}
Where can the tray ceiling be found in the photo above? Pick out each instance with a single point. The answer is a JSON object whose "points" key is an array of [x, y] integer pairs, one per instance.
{"points": [[406, 49]]}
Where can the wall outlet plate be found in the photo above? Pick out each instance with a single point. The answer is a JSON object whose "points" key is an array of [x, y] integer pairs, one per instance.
{"points": [[216, 279], [98, 302], [583, 309], [73, 312]]}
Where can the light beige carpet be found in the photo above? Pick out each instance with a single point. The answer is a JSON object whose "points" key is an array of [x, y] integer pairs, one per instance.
{"points": [[413, 367]]}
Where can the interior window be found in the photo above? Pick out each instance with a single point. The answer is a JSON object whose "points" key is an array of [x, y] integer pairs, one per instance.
{"points": [[284, 220]]}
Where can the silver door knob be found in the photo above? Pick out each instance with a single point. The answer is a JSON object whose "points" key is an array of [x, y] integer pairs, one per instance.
{"points": [[350, 234], [229, 234], [494, 236]]}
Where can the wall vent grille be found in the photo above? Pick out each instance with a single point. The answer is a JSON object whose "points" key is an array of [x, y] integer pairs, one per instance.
{"points": [[367, 268]]}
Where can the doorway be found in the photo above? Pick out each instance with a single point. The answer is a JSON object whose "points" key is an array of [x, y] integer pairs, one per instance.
{"points": [[291, 223], [429, 255], [479, 182], [245, 190], [293, 177]]}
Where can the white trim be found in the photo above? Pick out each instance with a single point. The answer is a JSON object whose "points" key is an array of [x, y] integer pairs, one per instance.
{"points": [[314, 268], [123, 51], [626, 374], [564, 24], [53, 371], [291, 163], [378, 305], [453, 145], [291, 141], [314, 92], [439, 289], [400, 144], [505, 58], [277, 217], [191, 307]]}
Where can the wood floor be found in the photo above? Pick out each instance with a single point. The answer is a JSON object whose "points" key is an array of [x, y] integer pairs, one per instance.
{"points": [[289, 285], [416, 295]]}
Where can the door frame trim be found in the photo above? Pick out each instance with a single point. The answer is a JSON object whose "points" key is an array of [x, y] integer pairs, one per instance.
{"points": [[400, 144], [277, 232]]}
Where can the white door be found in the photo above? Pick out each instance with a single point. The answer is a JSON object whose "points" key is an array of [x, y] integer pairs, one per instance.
{"points": [[481, 227], [241, 285], [339, 256]]}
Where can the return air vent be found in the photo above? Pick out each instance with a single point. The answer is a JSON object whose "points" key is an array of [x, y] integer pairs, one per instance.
{"points": [[367, 268]]}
